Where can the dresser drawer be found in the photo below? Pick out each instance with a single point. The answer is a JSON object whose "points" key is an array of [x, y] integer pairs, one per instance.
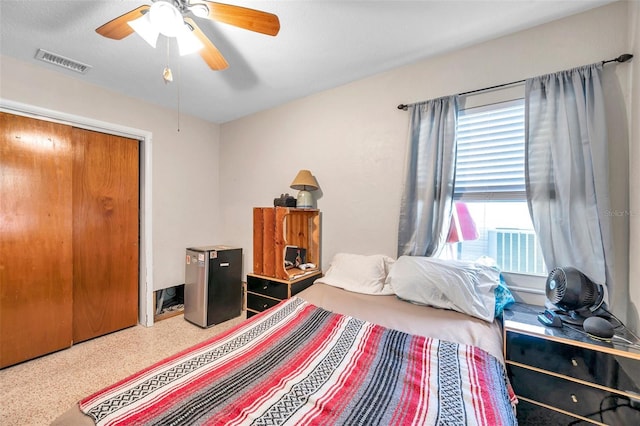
{"points": [[576, 398], [267, 287], [302, 283], [573, 361], [259, 303], [533, 414]]}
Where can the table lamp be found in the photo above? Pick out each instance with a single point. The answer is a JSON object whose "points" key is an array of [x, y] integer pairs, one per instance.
{"points": [[304, 182]]}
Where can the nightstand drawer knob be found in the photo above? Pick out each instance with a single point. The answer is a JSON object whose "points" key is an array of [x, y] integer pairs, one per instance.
{"points": [[265, 306], [264, 287], [574, 398], [574, 362]]}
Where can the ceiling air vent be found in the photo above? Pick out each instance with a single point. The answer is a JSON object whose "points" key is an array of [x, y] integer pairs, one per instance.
{"points": [[63, 62]]}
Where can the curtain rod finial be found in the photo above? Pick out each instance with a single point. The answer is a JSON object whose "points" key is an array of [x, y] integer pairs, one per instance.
{"points": [[624, 57], [403, 107]]}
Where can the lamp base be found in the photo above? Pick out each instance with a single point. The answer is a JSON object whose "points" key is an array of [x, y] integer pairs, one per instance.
{"points": [[304, 200]]}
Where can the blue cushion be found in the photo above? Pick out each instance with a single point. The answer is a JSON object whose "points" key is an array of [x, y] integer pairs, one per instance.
{"points": [[504, 297]]}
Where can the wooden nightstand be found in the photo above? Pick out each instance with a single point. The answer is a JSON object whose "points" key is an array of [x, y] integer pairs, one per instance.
{"points": [[563, 376], [265, 292]]}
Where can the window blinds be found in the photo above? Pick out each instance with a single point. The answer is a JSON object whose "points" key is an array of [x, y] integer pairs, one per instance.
{"points": [[490, 156]]}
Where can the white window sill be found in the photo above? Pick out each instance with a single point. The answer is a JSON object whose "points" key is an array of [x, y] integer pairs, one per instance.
{"points": [[528, 289]]}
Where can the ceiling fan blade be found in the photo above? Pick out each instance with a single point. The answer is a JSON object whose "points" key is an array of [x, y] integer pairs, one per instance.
{"points": [[209, 52], [118, 28], [249, 19]]}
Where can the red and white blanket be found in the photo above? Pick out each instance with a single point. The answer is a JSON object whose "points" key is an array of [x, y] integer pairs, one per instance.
{"points": [[300, 364]]}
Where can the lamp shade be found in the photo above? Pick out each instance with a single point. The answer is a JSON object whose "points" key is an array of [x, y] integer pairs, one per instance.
{"points": [[187, 41], [304, 181], [166, 18], [145, 29], [163, 17]]}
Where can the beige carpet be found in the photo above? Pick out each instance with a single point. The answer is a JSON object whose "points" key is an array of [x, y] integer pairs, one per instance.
{"points": [[36, 392]]}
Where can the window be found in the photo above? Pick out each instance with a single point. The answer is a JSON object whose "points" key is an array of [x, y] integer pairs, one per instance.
{"points": [[491, 216]]}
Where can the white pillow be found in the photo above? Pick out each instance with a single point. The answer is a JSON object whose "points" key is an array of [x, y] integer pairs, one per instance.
{"points": [[461, 286], [359, 273]]}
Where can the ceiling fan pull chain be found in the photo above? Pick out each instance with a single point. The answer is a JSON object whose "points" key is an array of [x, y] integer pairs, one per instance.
{"points": [[167, 75], [179, 107]]}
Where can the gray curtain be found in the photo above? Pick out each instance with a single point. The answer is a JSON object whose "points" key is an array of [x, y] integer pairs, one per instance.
{"points": [[427, 196], [566, 170]]}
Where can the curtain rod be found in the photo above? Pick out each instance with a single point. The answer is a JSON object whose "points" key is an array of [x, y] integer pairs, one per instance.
{"points": [[622, 58]]}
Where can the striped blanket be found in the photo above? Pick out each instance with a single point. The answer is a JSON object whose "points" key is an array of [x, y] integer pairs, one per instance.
{"points": [[300, 364]]}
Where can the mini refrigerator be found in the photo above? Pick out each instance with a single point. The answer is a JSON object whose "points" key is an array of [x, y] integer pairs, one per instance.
{"points": [[213, 285]]}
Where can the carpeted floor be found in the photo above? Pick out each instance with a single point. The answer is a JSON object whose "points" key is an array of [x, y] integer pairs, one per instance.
{"points": [[36, 392]]}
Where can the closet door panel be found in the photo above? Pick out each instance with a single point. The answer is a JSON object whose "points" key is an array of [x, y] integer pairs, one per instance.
{"points": [[105, 233], [35, 238]]}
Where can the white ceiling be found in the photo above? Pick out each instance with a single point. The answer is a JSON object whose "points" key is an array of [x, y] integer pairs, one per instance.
{"points": [[321, 44]]}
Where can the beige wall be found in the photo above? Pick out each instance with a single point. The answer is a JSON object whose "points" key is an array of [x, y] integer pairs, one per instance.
{"points": [[633, 316], [206, 178], [185, 180], [353, 137]]}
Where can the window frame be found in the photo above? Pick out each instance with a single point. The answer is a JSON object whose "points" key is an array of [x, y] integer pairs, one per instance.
{"points": [[517, 281], [485, 196]]}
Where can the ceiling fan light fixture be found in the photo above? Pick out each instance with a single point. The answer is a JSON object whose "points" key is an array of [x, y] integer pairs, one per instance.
{"points": [[200, 10], [187, 41], [166, 18], [145, 29]]}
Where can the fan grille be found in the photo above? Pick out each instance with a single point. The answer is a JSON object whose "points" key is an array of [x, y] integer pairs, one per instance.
{"points": [[557, 286], [570, 289], [590, 294]]}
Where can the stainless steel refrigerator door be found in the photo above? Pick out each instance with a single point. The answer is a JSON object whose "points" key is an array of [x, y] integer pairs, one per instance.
{"points": [[196, 287]]}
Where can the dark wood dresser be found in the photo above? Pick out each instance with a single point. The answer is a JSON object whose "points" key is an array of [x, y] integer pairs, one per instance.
{"points": [[264, 292], [562, 376]]}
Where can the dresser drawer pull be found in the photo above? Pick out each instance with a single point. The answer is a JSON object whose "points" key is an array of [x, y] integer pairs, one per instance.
{"points": [[573, 398], [265, 306], [265, 287], [574, 362]]}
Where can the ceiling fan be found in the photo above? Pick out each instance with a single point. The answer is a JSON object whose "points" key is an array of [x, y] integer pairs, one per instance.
{"points": [[171, 18]]}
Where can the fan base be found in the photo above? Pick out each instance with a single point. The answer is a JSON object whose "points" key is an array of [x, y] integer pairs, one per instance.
{"points": [[578, 317]]}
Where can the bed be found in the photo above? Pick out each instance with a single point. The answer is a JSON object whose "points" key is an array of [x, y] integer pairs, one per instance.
{"points": [[325, 356]]}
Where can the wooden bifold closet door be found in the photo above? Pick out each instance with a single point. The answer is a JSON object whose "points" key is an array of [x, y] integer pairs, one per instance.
{"points": [[68, 236], [36, 269], [105, 233]]}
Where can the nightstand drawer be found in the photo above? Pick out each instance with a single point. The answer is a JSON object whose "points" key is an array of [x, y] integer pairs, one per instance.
{"points": [[572, 361], [573, 397], [533, 414], [267, 287], [259, 303], [303, 283]]}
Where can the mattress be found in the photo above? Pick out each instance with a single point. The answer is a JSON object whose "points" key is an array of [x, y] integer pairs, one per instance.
{"points": [[471, 344], [391, 312]]}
